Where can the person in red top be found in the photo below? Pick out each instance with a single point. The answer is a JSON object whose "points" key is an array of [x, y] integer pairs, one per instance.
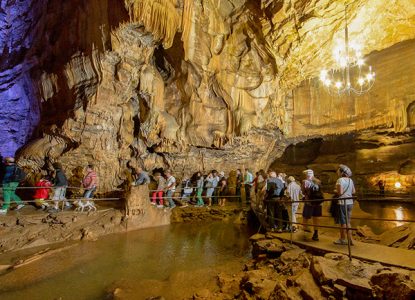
{"points": [[90, 182], [42, 194]]}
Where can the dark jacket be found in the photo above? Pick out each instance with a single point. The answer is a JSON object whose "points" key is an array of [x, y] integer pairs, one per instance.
{"points": [[275, 187], [60, 178], [9, 174]]}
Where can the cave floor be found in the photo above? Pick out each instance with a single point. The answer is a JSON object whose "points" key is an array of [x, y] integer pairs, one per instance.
{"points": [[365, 251]]}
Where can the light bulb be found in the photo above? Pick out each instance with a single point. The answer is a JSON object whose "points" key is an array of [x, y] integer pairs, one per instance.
{"points": [[369, 76], [361, 81], [360, 62], [338, 84], [398, 185], [327, 82]]}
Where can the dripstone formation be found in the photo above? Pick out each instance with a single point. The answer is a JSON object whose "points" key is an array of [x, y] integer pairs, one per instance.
{"points": [[191, 84]]}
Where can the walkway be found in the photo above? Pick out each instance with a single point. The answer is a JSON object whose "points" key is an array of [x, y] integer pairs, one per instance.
{"points": [[365, 251]]}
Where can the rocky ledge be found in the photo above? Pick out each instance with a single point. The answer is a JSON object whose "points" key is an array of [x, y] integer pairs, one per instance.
{"points": [[232, 213], [280, 270]]}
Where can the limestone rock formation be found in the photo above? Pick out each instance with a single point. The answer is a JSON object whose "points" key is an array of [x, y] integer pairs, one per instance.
{"points": [[190, 84]]}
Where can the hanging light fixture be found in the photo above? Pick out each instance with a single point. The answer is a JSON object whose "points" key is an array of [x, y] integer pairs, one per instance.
{"points": [[351, 75]]}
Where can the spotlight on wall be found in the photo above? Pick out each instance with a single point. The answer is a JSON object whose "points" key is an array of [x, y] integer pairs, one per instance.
{"points": [[398, 185]]}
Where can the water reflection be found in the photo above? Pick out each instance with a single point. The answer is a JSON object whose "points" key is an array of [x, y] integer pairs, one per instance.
{"points": [[399, 215], [382, 210], [152, 261]]}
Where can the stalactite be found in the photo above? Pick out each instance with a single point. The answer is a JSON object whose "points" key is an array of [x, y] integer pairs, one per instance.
{"points": [[160, 17]]}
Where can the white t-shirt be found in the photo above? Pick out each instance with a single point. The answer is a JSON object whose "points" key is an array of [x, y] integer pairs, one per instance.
{"points": [[347, 186], [171, 181]]}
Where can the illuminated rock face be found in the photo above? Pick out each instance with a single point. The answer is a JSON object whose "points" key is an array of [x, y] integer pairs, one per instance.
{"points": [[201, 84]]}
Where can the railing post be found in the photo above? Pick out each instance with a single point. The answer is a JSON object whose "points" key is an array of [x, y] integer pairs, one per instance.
{"points": [[291, 222], [347, 230]]}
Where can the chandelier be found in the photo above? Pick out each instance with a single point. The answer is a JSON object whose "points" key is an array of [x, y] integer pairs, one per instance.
{"points": [[351, 75]]}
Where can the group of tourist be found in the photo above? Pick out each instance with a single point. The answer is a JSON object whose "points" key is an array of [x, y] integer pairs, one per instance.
{"points": [[213, 187], [54, 183], [278, 195], [282, 201]]}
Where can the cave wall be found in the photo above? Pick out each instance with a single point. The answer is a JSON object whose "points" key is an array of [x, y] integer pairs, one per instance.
{"points": [[372, 154], [190, 85], [388, 103]]}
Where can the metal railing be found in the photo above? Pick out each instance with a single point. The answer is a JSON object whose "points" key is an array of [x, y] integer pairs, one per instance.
{"points": [[265, 217]]}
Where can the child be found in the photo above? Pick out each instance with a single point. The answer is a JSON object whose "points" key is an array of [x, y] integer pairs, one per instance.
{"points": [[42, 194]]}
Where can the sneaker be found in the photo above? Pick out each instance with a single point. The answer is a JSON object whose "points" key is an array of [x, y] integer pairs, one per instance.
{"points": [[68, 204], [279, 230], [152, 203], [315, 237], [340, 242], [20, 206], [160, 206], [3, 211]]}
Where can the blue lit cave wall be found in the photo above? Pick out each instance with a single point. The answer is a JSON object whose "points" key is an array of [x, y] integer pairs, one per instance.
{"points": [[19, 110], [39, 38]]}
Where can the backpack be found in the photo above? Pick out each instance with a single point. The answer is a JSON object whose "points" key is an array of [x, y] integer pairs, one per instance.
{"points": [[315, 193], [271, 188], [18, 174]]}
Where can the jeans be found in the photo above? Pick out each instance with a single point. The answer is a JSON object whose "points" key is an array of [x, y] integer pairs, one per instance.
{"points": [[169, 196], [199, 197], [9, 193], [89, 193]]}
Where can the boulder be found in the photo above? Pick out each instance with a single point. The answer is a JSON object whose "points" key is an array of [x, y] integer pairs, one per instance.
{"points": [[351, 274], [229, 284], [257, 237], [258, 283], [280, 293], [392, 285], [308, 287], [366, 234], [394, 235], [273, 248], [292, 255]]}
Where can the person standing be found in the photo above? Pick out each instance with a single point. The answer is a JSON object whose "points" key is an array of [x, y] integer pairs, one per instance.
{"points": [[261, 181], [223, 190], [60, 185], [12, 176], [142, 177], [42, 192], [293, 192], [345, 189], [381, 185], [238, 184], [199, 185], [274, 186], [158, 193], [311, 189], [211, 183], [248, 179], [89, 183], [170, 188]]}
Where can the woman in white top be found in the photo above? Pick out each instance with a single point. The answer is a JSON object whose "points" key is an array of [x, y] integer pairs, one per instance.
{"points": [[345, 190]]}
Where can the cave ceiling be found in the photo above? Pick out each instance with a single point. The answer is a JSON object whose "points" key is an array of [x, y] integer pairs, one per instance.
{"points": [[185, 84]]}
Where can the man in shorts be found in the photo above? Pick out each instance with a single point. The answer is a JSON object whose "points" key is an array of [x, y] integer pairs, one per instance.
{"points": [[311, 189]]}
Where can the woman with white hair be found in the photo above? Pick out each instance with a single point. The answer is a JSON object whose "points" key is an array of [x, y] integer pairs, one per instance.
{"points": [[293, 192], [312, 191], [345, 189]]}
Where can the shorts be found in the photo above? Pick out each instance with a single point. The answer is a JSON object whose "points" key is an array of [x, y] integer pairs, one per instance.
{"points": [[341, 218], [311, 211]]}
